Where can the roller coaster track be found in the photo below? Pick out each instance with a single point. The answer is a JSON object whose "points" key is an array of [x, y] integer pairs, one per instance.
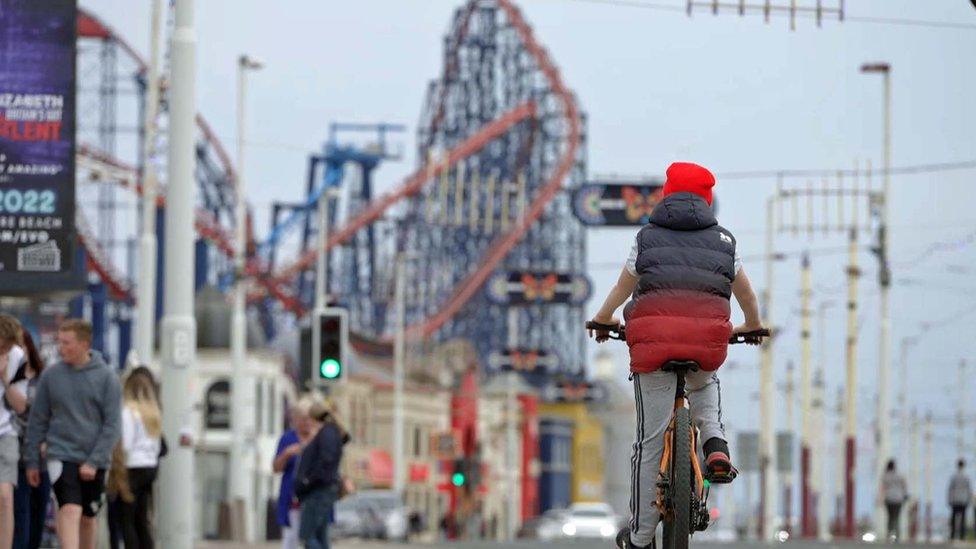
{"points": [[277, 285], [504, 243], [102, 166]]}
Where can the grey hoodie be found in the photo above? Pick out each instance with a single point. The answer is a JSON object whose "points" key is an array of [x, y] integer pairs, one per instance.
{"points": [[77, 412], [960, 492], [893, 487]]}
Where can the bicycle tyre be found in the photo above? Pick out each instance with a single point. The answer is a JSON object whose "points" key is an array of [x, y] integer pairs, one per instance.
{"points": [[677, 533]]}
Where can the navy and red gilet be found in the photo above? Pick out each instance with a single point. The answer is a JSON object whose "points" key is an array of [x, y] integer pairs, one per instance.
{"points": [[681, 309]]}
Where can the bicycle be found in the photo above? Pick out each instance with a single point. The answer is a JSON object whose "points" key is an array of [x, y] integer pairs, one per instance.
{"points": [[682, 488]]}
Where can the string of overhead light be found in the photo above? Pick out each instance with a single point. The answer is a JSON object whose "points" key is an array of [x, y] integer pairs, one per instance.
{"points": [[866, 19]]}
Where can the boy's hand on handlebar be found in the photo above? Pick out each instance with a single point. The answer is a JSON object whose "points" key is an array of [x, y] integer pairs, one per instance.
{"points": [[745, 328], [603, 335]]}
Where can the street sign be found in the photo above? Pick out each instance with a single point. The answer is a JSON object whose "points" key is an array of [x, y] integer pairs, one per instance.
{"points": [[538, 287], [784, 452], [445, 445], [616, 204], [37, 144], [747, 451], [523, 360]]}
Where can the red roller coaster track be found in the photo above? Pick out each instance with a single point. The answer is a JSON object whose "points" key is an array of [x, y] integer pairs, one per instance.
{"points": [[504, 244], [276, 285]]}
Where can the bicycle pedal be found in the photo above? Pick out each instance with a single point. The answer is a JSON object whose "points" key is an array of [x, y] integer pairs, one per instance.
{"points": [[721, 477]]}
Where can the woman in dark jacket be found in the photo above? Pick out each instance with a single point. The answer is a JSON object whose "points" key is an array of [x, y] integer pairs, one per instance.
{"points": [[317, 478]]}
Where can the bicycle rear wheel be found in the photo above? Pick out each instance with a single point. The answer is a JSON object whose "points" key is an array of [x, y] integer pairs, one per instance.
{"points": [[678, 529]]}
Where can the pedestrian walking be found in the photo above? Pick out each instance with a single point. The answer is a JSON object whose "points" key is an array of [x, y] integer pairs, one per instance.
{"points": [[317, 478], [30, 503], [141, 442], [77, 413], [960, 494], [894, 491], [11, 356], [290, 447]]}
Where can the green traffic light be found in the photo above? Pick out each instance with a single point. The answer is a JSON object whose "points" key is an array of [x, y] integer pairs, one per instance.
{"points": [[330, 368], [457, 479]]}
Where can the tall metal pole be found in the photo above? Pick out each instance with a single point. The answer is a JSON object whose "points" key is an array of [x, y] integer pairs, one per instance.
{"points": [[322, 261], [840, 483], [146, 288], [850, 427], [178, 327], [767, 470], [928, 476], [240, 480], [399, 480], [884, 280], [817, 460], [806, 399], [961, 410], [321, 278], [818, 501], [906, 343], [511, 458], [789, 396], [913, 467]]}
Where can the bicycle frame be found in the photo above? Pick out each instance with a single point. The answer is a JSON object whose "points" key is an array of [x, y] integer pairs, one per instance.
{"points": [[680, 401]]}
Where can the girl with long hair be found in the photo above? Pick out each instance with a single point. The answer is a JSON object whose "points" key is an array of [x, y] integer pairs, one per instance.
{"points": [[141, 448]]}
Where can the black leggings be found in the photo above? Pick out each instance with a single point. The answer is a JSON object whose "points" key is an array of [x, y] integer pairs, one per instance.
{"points": [[136, 528], [894, 514], [957, 522]]}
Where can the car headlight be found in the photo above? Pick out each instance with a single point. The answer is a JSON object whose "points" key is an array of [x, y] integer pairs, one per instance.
{"points": [[569, 529], [607, 530]]}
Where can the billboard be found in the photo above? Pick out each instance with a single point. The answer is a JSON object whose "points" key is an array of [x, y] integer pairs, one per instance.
{"points": [[37, 141], [538, 287], [616, 204], [619, 204]]}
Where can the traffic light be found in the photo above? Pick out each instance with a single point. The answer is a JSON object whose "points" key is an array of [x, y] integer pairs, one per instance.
{"points": [[330, 337], [460, 475]]}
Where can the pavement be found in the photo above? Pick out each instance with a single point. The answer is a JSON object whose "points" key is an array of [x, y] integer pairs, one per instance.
{"points": [[581, 544]]}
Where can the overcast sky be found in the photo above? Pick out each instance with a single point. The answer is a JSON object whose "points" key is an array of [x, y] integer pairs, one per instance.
{"points": [[728, 92]]}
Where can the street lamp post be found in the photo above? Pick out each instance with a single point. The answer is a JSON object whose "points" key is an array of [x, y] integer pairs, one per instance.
{"points": [[242, 404], [178, 327], [146, 289], [884, 279]]}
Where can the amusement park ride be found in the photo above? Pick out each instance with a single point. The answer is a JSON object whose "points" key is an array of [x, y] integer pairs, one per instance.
{"points": [[498, 257]]}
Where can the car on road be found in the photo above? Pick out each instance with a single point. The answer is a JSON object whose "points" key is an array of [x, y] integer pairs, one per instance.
{"points": [[590, 520], [545, 527], [379, 514]]}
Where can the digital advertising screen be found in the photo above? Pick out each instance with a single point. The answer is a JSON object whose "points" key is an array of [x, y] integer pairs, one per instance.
{"points": [[37, 139]]}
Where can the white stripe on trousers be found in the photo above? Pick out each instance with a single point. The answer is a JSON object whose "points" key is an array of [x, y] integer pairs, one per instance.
{"points": [[654, 401]]}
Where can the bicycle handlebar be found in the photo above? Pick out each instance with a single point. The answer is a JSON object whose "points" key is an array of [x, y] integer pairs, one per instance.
{"points": [[619, 332]]}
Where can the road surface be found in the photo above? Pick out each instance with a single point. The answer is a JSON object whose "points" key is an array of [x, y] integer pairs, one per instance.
{"points": [[579, 544]]}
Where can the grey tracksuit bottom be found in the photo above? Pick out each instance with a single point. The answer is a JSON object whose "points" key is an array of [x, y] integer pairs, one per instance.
{"points": [[654, 397]]}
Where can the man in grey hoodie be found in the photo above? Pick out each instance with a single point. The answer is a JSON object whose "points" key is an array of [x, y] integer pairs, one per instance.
{"points": [[960, 493], [77, 413]]}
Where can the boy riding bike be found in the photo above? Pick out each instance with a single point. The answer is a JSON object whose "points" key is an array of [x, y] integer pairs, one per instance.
{"points": [[682, 271]]}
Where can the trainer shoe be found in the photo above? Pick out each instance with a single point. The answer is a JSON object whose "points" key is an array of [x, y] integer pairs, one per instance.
{"points": [[718, 465], [623, 541]]}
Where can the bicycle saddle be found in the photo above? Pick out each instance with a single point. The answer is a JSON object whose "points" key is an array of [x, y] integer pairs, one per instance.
{"points": [[683, 366]]}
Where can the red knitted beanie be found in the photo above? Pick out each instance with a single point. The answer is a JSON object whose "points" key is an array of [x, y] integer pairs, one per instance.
{"points": [[691, 178]]}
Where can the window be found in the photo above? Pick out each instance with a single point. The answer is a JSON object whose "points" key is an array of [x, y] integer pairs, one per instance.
{"points": [[416, 441]]}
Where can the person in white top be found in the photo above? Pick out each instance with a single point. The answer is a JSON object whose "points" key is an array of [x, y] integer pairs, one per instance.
{"points": [[11, 354], [142, 445]]}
